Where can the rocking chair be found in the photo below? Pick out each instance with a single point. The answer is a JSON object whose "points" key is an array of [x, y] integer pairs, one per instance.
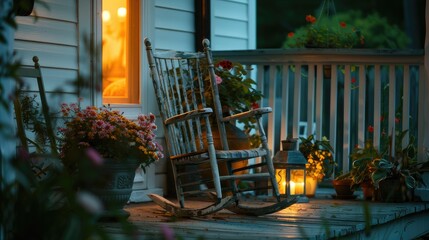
{"points": [[190, 108]]}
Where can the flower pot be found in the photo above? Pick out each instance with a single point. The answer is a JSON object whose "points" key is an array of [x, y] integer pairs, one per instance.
{"points": [[392, 190], [310, 186], [115, 189], [343, 187], [289, 144]]}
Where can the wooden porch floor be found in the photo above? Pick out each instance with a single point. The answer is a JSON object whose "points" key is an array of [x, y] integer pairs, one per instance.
{"points": [[322, 218]]}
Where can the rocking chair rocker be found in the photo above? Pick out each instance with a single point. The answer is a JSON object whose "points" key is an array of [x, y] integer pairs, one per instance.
{"points": [[188, 101]]}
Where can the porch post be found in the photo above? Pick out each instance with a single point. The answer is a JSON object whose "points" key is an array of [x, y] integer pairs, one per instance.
{"points": [[425, 89], [7, 86]]}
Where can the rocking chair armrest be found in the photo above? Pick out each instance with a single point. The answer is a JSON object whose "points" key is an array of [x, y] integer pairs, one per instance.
{"points": [[189, 115], [250, 113]]}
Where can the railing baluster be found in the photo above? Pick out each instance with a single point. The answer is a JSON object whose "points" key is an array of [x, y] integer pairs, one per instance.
{"points": [[319, 99], [377, 106], [347, 118], [362, 106], [285, 103], [333, 108], [271, 102], [311, 101], [296, 101], [406, 104], [392, 107]]}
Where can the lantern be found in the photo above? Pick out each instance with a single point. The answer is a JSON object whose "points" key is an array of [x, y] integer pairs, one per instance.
{"points": [[290, 170]]}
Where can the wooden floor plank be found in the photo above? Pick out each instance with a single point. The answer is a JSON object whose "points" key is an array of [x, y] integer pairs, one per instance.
{"points": [[321, 218]]}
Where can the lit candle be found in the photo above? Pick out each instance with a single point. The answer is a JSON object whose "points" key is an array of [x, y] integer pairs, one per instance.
{"points": [[292, 188]]}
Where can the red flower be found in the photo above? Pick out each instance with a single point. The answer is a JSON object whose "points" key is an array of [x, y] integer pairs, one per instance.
{"points": [[290, 34], [343, 24], [370, 129], [397, 120], [381, 118], [225, 64], [309, 18], [353, 80], [255, 105]]}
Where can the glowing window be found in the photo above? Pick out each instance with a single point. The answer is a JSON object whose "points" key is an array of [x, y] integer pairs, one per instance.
{"points": [[120, 51]]}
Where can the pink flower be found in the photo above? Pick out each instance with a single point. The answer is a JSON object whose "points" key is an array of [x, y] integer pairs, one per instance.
{"points": [[94, 156], [218, 80]]}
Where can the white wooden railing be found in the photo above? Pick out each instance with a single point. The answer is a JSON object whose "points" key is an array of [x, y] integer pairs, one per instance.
{"points": [[366, 87]]}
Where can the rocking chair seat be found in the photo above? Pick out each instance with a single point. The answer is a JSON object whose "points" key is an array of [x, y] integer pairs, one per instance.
{"points": [[240, 154]]}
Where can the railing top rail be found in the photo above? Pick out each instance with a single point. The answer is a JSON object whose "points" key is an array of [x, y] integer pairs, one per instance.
{"points": [[324, 55]]}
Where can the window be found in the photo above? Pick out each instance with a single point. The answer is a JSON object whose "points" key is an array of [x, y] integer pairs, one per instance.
{"points": [[121, 51]]}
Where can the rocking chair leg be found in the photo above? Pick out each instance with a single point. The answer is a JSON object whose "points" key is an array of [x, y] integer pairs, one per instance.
{"points": [[191, 212]]}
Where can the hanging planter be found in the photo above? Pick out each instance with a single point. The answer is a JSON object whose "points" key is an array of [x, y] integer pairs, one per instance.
{"points": [[23, 7]]}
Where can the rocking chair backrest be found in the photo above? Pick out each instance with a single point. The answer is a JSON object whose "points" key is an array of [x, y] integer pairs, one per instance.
{"points": [[181, 84]]}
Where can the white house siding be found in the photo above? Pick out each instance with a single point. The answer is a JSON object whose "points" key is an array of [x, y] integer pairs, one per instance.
{"points": [[52, 36], [233, 24]]}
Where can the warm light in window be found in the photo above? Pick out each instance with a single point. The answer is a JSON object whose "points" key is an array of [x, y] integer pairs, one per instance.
{"points": [[106, 16], [120, 51], [122, 12]]}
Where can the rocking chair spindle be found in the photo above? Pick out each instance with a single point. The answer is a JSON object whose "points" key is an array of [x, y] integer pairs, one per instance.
{"points": [[190, 108]]}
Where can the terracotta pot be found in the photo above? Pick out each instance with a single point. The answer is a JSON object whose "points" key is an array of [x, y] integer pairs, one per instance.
{"points": [[392, 190], [237, 140], [342, 187], [289, 144]]}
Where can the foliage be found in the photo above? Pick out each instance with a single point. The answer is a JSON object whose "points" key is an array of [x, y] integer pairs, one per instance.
{"points": [[349, 29], [236, 88], [362, 163], [109, 133], [237, 94], [50, 207], [371, 165], [319, 155], [398, 162]]}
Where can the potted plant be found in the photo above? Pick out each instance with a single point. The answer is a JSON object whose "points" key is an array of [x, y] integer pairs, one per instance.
{"points": [[343, 185], [320, 161], [363, 167], [103, 137], [397, 173], [324, 33]]}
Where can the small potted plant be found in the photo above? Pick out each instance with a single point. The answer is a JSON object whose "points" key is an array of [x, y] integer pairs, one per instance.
{"points": [[320, 161], [363, 167], [103, 137], [343, 185]]}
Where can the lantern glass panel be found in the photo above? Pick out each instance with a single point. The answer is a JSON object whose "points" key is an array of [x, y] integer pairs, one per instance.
{"points": [[281, 180], [297, 182]]}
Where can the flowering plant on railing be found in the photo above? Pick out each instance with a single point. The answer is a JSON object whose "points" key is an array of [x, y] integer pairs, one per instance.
{"points": [[325, 34], [237, 93], [109, 133], [319, 155]]}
